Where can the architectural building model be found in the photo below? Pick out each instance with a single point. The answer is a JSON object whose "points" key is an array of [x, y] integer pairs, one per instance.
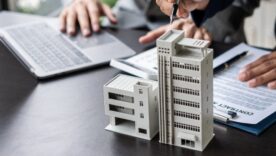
{"points": [[185, 75], [131, 103]]}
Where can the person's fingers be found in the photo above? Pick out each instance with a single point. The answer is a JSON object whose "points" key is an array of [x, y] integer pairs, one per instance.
{"points": [[153, 35], [259, 61], [94, 14], [272, 84], [259, 70], [108, 12], [190, 5], [62, 20], [184, 8], [71, 21], [198, 34], [83, 19], [182, 11], [206, 35], [165, 6], [263, 79], [177, 24], [190, 30]]}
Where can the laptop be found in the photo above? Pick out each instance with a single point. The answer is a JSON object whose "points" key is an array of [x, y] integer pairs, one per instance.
{"points": [[46, 52]]}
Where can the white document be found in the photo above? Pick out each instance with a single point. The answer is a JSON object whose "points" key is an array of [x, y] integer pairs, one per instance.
{"points": [[147, 59], [252, 105], [143, 65]]}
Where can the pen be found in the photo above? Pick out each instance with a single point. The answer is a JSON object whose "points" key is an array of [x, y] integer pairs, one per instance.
{"points": [[174, 11], [228, 113], [224, 115], [220, 118], [229, 62]]}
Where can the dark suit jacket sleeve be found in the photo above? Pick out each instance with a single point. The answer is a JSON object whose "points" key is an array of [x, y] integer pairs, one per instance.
{"points": [[275, 33], [213, 7]]}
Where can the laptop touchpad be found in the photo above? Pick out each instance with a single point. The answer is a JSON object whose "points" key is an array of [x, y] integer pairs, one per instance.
{"points": [[101, 47], [108, 51]]}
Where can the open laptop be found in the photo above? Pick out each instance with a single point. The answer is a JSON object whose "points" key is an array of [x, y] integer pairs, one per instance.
{"points": [[46, 52]]}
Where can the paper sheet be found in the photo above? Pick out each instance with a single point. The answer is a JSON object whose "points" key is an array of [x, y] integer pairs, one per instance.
{"points": [[251, 104], [147, 59]]}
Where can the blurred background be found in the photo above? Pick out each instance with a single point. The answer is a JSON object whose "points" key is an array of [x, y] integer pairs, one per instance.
{"points": [[259, 28]]}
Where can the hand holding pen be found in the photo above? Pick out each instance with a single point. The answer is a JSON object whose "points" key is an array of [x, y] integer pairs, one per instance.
{"points": [[184, 6]]}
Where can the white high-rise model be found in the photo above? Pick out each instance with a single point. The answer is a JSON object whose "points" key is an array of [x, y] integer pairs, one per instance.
{"points": [[185, 78], [131, 103]]}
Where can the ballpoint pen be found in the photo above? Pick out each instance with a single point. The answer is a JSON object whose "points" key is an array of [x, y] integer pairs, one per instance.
{"points": [[174, 11], [223, 115], [229, 62], [229, 113]]}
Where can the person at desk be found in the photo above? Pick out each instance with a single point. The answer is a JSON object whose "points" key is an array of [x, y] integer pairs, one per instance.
{"points": [[226, 26], [227, 32], [88, 12], [260, 72], [85, 11]]}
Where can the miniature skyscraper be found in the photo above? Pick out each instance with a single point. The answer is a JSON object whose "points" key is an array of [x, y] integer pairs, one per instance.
{"points": [[185, 68], [131, 103]]}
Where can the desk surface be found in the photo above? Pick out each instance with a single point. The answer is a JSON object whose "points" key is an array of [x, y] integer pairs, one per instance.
{"points": [[65, 117]]}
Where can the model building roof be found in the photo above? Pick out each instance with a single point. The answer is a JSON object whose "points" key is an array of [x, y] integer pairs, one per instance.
{"points": [[125, 82]]}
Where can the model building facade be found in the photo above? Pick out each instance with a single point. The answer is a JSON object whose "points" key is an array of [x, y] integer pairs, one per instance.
{"points": [[185, 75], [131, 103]]}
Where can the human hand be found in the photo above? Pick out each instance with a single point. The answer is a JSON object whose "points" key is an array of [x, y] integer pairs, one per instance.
{"points": [[189, 27], [184, 8], [260, 72], [87, 13]]}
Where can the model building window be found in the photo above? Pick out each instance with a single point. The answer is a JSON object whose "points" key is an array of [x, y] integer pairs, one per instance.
{"points": [[120, 109], [185, 78], [141, 115], [185, 142], [121, 97], [186, 66], [185, 90], [186, 103], [186, 115], [141, 103], [140, 91], [141, 130], [186, 126]]}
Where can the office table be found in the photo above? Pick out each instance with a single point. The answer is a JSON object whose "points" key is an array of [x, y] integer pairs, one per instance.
{"points": [[65, 116]]}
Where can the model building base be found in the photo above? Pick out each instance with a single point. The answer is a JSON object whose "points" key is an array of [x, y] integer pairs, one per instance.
{"points": [[189, 144], [127, 129]]}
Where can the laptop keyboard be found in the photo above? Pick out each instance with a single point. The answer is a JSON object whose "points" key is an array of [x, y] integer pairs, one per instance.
{"points": [[48, 48]]}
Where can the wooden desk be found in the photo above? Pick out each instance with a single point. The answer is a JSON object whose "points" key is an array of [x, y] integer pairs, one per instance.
{"points": [[65, 117]]}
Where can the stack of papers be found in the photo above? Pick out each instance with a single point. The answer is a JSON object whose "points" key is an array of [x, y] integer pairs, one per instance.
{"points": [[255, 107]]}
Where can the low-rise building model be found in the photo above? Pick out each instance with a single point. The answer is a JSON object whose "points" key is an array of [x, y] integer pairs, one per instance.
{"points": [[131, 103]]}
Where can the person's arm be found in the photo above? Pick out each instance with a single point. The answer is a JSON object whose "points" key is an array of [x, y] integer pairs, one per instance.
{"points": [[275, 31], [200, 9], [212, 8], [240, 10]]}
